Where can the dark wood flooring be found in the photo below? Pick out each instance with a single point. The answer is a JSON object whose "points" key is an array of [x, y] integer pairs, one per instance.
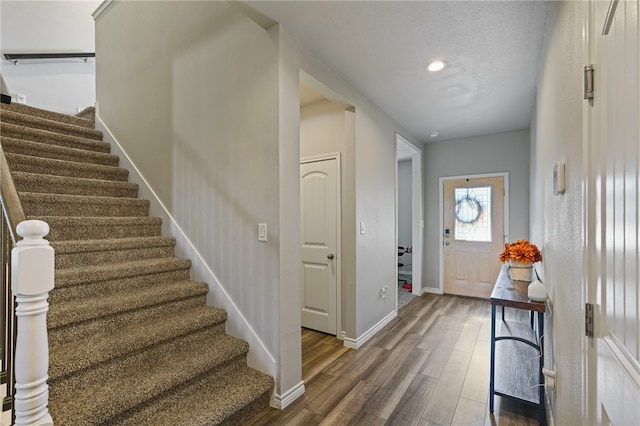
{"points": [[429, 366]]}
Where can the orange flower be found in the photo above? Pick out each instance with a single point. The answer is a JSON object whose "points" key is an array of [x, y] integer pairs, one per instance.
{"points": [[520, 251]]}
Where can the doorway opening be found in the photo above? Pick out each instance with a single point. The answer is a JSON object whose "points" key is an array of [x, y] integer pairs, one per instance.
{"points": [[474, 223], [409, 222], [327, 140]]}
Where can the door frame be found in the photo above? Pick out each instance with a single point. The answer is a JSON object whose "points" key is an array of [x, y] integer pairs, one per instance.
{"points": [[441, 181], [323, 157], [417, 218]]}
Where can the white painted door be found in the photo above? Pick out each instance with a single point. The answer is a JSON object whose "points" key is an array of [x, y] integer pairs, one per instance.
{"points": [[612, 215], [319, 188], [473, 234]]}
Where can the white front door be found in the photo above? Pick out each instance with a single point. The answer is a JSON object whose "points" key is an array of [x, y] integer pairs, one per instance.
{"points": [[612, 213], [320, 206], [473, 237]]}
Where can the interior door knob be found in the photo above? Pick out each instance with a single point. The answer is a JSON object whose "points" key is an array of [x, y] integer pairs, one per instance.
{"points": [[330, 256]]}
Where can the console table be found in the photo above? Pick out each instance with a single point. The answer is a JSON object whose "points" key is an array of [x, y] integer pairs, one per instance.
{"points": [[513, 294]]}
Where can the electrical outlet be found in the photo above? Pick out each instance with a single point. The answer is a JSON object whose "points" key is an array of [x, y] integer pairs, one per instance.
{"points": [[383, 292]]}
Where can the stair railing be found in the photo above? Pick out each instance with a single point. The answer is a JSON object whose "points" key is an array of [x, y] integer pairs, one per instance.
{"points": [[27, 278]]}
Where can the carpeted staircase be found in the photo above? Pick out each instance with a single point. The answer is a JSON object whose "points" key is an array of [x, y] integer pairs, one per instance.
{"points": [[131, 339]]}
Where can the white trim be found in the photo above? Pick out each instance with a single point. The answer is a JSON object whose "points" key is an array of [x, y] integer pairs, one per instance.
{"points": [[323, 157], [259, 356], [432, 290], [104, 6], [357, 343], [441, 181], [283, 401], [417, 212]]}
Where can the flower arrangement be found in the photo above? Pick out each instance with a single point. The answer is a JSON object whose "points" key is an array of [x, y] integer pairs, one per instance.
{"points": [[521, 251]]}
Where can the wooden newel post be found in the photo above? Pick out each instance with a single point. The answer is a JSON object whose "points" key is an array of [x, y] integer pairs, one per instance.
{"points": [[32, 277]]}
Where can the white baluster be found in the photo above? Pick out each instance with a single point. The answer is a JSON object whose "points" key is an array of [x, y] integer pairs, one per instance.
{"points": [[32, 276]]}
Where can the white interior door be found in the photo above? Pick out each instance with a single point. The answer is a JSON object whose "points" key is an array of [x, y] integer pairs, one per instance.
{"points": [[613, 355], [473, 237], [320, 206]]}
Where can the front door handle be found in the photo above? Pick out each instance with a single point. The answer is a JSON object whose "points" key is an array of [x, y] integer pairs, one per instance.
{"points": [[330, 256]]}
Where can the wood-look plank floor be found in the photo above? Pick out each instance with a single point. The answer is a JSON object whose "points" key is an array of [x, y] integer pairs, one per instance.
{"points": [[429, 366]]}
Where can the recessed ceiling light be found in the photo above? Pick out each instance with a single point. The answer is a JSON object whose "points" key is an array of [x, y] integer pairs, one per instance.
{"points": [[434, 134], [436, 65]]}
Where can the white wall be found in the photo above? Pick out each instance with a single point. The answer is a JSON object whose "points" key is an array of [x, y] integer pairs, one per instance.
{"points": [[501, 152], [373, 174], [557, 221], [321, 128], [49, 27], [190, 90]]}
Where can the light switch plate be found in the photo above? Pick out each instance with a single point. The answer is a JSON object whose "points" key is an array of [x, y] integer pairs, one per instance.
{"points": [[558, 178], [262, 232]]}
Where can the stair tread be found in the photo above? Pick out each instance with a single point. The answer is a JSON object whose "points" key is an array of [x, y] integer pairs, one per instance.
{"points": [[51, 115], [45, 136], [80, 199], [140, 378], [69, 357], [207, 401], [93, 308], [26, 147], [20, 162], [109, 271], [54, 126], [90, 227], [101, 221], [72, 185]]}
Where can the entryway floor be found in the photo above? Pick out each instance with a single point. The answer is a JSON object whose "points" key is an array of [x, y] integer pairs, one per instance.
{"points": [[430, 365]]}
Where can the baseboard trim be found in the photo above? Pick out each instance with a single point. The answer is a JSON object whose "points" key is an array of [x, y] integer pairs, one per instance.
{"points": [[547, 403], [357, 343], [283, 401], [259, 356], [432, 290]]}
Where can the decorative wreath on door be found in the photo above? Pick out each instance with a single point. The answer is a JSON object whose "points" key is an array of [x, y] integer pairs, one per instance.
{"points": [[468, 209]]}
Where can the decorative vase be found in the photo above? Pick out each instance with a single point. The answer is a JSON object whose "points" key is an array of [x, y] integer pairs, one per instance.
{"points": [[519, 271], [537, 291]]}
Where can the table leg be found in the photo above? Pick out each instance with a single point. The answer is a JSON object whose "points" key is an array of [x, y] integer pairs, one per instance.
{"points": [[543, 417], [493, 357]]}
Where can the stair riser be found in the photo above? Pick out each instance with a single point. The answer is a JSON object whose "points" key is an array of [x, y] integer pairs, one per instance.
{"points": [[121, 404], [104, 288], [84, 232], [28, 182], [68, 260], [42, 136], [13, 117], [38, 208], [19, 163], [17, 146], [49, 115], [81, 330]]}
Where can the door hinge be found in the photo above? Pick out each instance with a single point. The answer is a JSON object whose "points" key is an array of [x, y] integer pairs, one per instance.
{"points": [[588, 319], [588, 82]]}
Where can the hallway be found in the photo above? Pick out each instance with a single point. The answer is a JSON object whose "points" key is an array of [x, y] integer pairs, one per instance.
{"points": [[429, 366]]}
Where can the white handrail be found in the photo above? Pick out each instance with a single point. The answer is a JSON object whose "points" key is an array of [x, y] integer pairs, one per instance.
{"points": [[32, 276]]}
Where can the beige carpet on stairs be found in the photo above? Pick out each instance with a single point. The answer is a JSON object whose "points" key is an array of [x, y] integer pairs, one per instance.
{"points": [[132, 341]]}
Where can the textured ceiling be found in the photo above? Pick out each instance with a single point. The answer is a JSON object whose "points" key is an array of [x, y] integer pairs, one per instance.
{"points": [[492, 49]]}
